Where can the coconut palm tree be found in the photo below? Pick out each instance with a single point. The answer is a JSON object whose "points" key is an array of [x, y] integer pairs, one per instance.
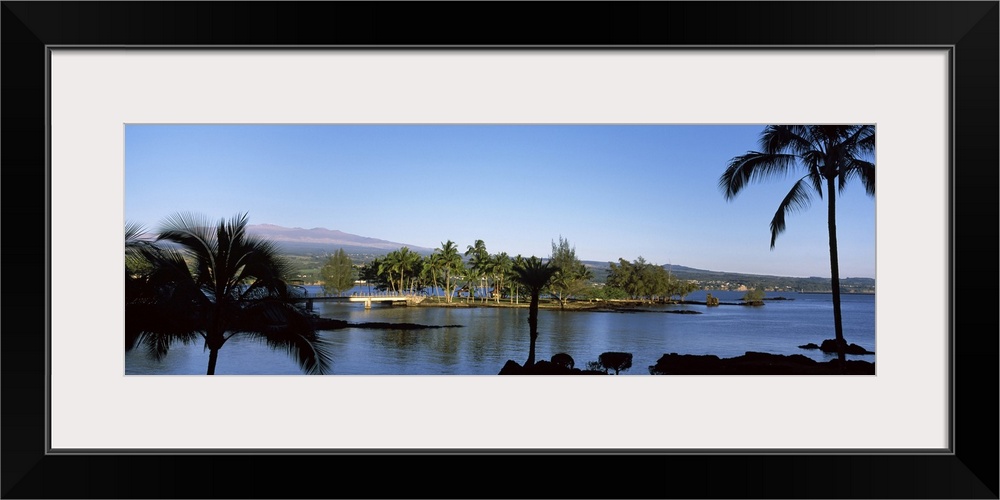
{"points": [[478, 263], [402, 262], [500, 267], [534, 275], [829, 156], [451, 264], [429, 271], [215, 282]]}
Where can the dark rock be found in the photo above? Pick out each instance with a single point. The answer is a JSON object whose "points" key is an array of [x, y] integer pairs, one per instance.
{"points": [[809, 346], [830, 345], [511, 368], [754, 363], [856, 349], [547, 368], [563, 359], [686, 364], [328, 324], [543, 368]]}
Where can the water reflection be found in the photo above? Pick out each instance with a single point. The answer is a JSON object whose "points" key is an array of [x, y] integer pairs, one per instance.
{"points": [[489, 337]]}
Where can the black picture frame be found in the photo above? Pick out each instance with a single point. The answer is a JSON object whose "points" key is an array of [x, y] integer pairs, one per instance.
{"points": [[969, 28]]}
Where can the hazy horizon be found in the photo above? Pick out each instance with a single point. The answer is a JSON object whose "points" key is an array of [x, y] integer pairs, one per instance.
{"points": [[613, 191]]}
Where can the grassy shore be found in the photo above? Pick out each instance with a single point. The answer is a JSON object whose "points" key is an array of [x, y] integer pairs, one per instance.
{"points": [[574, 305]]}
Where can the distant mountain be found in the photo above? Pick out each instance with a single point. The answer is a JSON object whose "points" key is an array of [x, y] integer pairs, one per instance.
{"points": [[318, 239]]}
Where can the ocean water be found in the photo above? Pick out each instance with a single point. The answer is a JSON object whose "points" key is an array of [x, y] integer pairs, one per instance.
{"points": [[485, 338]]}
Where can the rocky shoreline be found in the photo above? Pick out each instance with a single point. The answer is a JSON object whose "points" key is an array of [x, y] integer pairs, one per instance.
{"points": [[755, 363], [751, 363], [830, 345]]}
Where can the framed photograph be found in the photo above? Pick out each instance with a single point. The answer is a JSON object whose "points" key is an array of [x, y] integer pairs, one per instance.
{"points": [[90, 83]]}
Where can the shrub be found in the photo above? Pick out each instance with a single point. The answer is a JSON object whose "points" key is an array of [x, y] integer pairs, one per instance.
{"points": [[754, 297], [617, 361]]}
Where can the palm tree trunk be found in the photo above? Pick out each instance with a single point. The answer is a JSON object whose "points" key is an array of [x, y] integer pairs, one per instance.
{"points": [[532, 328], [213, 357], [838, 324]]}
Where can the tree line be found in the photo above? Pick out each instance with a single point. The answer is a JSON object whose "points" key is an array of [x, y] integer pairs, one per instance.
{"points": [[478, 275]]}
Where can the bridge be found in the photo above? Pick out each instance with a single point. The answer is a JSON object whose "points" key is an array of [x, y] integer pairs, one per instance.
{"points": [[367, 299]]}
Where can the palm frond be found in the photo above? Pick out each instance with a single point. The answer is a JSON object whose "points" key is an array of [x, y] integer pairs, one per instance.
{"points": [[133, 233], [194, 234], [156, 344], [312, 353], [860, 169], [533, 273], [796, 199], [785, 139], [286, 327], [234, 284], [816, 179], [866, 140], [753, 167]]}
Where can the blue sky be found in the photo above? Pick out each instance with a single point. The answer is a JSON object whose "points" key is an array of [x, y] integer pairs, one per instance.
{"points": [[613, 191]]}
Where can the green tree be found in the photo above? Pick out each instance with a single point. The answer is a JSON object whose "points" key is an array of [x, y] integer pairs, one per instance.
{"points": [[571, 275], [535, 276], [479, 264], [470, 275], [754, 297], [830, 156], [401, 263], [430, 271], [417, 274], [685, 288], [640, 279], [338, 273], [233, 286], [515, 285], [450, 262], [500, 268], [371, 273]]}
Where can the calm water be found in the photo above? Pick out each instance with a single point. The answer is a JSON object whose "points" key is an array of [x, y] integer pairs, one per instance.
{"points": [[489, 337]]}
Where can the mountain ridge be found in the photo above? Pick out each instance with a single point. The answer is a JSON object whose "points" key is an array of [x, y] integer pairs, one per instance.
{"points": [[320, 238]]}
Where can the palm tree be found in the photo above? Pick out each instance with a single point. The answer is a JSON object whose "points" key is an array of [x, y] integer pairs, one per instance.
{"points": [[451, 263], [234, 285], [831, 156], [500, 267], [478, 262], [432, 266], [535, 275], [402, 261], [471, 277], [387, 266]]}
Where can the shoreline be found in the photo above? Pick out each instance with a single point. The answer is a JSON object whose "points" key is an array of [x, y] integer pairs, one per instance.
{"points": [[614, 305]]}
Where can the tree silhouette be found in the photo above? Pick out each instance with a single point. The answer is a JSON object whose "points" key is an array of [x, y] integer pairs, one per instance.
{"points": [[534, 275], [617, 361], [213, 283], [831, 156]]}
